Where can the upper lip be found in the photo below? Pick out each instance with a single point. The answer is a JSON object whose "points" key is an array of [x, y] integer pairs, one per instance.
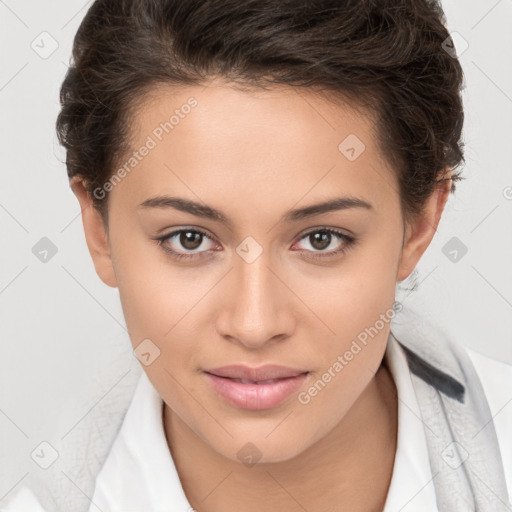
{"points": [[266, 372]]}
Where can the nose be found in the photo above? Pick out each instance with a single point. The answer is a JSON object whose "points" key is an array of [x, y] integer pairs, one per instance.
{"points": [[256, 307]]}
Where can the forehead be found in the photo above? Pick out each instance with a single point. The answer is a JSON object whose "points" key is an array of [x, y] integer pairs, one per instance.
{"points": [[217, 142]]}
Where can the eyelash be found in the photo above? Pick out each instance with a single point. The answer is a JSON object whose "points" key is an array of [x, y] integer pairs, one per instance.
{"points": [[349, 241]]}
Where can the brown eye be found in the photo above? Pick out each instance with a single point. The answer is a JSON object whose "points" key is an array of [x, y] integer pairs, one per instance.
{"points": [[184, 243], [320, 240], [190, 239]]}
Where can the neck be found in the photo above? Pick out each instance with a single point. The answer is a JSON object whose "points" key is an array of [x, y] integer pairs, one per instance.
{"points": [[352, 465]]}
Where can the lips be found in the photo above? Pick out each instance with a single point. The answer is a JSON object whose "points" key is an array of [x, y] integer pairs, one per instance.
{"points": [[263, 373], [255, 388]]}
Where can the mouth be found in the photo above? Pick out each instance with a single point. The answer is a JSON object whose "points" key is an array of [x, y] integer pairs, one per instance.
{"points": [[255, 388]]}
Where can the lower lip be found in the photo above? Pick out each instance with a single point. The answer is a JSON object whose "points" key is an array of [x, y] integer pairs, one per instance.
{"points": [[255, 396]]}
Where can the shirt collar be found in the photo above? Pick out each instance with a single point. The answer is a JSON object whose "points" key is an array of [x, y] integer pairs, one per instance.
{"points": [[139, 472]]}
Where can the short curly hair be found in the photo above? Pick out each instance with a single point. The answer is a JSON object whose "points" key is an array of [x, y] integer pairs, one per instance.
{"points": [[391, 56]]}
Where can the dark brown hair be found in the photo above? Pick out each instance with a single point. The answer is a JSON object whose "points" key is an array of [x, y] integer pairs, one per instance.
{"points": [[386, 55]]}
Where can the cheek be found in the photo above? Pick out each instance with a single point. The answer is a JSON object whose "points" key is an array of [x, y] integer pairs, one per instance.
{"points": [[359, 311], [151, 299], [147, 310], [351, 296], [163, 303], [356, 303]]}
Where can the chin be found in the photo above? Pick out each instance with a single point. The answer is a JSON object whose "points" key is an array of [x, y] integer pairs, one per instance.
{"points": [[255, 449]]}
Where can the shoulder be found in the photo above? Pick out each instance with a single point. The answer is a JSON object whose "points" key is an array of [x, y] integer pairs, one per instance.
{"points": [[496, 379]]}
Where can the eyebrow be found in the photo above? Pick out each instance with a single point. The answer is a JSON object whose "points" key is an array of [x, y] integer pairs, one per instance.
{"points": [[207, 212]]}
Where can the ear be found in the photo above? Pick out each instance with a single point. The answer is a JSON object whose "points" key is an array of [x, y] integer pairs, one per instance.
{"points": [[420, 230], [96, 234]]}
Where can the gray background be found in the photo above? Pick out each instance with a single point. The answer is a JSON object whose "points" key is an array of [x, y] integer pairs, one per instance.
{"points": [[62, 328]]}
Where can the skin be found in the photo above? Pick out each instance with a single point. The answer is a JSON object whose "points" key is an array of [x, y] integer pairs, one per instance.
{"points": [[255, 155]]}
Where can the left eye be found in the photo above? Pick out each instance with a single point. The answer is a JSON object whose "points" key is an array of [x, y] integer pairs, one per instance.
{"points": [[320, 240]]}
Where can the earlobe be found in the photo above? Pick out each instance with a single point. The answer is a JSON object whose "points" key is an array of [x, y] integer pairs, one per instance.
{"points": [[96, 234], [420, 231]]}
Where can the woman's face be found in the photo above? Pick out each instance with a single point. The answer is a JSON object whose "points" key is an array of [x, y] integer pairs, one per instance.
{"points": [[264, 284]]}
